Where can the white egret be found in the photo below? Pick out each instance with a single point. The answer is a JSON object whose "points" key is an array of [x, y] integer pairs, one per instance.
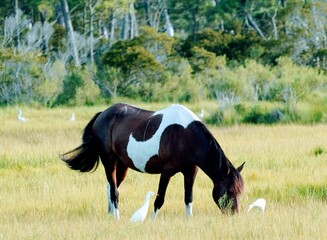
{"points": [[201, 114], [72, 118], [141, 213], [20, 116], [260, 203]]}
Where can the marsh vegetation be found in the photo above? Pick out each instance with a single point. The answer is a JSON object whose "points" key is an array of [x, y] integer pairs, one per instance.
{"points": [[42, 199]]}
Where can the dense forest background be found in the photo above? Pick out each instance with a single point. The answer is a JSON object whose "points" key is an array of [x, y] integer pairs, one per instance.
{"points": [[263, 61]]}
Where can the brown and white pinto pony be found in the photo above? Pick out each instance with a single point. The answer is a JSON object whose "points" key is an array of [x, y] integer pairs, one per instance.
{"points": [[164, 142]]}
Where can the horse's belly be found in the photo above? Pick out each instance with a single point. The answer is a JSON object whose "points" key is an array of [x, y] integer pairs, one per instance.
{"points": [[141, 153]]}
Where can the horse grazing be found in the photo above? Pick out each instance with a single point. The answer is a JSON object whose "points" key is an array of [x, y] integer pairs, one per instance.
{"points": [[164, 142]]}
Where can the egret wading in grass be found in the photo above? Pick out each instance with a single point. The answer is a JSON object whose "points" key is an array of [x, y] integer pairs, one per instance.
{"points": [[72, 118], [201, 114], [20, 116], [260, 203], [141, 213]]}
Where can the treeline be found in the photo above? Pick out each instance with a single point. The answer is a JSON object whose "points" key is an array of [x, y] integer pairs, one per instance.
{"points": [[263, 61]]}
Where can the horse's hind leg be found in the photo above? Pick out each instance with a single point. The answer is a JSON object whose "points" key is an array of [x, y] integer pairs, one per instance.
{"points": [[121, 172], [111, 206], [110, 166], [115, 175], [189, 177]]}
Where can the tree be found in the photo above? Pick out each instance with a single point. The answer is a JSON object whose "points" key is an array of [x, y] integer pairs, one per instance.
{"points": [[92, 5], [70, 30], [140, 61]]}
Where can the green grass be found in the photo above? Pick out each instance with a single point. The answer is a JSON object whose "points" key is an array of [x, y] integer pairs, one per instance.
{"points": [[40, 198]]}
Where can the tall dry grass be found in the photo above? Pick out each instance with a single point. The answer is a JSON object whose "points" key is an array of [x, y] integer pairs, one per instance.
{"points": [[40, 198]]}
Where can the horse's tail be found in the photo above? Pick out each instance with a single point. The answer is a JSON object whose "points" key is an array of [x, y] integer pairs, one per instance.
{"points": [[84, 158]]}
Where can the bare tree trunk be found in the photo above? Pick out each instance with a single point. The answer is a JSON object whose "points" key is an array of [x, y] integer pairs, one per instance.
{"points": [[91, 8], [84, 19], [283, 2], [112, 25], [125, 27], [58, 13], [17, 34], [147, 13], [255, 26], [70, 30], [43, 45], [134, 28], [195, 18], [273, 20], [103, 30], [319, 30], [168, 26]]}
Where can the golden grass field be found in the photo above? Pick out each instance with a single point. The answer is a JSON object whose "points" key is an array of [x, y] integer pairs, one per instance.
{"points": [[40, 198]]}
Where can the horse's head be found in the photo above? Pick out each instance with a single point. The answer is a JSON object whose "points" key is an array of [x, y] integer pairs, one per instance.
{"points": [[227, 192]]}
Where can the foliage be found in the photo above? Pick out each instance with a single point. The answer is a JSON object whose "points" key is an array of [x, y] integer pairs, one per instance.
{"points": [[180, 85], [142, 62], [50, 88], [261, 114], [71, 83], [254, 59], [110, 81], [89, 93], [19, 76], [235, 47]]}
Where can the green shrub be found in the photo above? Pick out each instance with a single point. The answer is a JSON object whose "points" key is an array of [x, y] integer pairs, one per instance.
{"points": [[110, 81], [70, 85], [319, 151], [300, 81], [20, 76], [262, 113], [306, 112], [50, 88], [88, 94]]}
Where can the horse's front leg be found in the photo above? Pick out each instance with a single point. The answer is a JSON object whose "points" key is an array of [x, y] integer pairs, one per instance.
{"points": [[189, 177], [160, 199]]}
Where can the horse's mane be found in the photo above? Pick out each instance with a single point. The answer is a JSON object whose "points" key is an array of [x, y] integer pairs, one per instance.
{"points": [[224, 166]]}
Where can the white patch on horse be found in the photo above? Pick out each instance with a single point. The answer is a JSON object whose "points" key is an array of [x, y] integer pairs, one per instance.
{"points": [[188, 210], [154, 214], [141, 151], [111, 206]]}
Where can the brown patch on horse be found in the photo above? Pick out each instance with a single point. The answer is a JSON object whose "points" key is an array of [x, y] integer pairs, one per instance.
{"points": [[146, 129]]}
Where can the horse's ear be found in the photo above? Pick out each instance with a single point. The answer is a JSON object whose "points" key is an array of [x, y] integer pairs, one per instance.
{"points": [[239, 169]]}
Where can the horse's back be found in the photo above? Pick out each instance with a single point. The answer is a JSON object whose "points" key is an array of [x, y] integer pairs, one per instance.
{"points": [[139, 137], [116, 123]]}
